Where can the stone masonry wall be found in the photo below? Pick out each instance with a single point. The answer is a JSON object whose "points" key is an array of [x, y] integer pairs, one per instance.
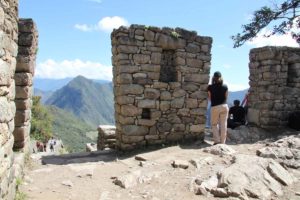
{"points": [[8, 54], [274, 85], [28, 39], [160, 81]]}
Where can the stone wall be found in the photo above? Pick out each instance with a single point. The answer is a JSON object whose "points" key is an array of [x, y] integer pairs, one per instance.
{"points": [[160, 81], [28, 38], [274, 85], [8, 54]]}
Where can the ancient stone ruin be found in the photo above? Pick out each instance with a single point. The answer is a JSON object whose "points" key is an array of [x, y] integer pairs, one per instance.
{"points": [[17, 61], [274, 85], [160, 81], [24, 81]]}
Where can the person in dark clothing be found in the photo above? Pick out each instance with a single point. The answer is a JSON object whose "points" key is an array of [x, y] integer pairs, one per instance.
{"points": [[217, 94], [237, 115]]}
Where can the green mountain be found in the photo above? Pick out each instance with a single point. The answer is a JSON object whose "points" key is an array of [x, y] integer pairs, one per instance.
{"points": [[89, 101], [74, 132], [43, 94]]}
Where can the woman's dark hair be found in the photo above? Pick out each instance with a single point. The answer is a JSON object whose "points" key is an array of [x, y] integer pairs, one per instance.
{"points": [[217, 78]]}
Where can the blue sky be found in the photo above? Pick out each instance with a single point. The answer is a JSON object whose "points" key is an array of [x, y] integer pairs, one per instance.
{"points": [[74, 35]]}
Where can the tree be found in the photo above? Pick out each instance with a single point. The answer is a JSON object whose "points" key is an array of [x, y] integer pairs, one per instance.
{"points": [[285, 16], [41, 122]]}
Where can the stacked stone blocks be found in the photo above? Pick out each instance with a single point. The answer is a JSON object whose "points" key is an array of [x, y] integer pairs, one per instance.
{"points": [[8, 54], [160, 81], [274, 85], [28, 38], [106, 137]]}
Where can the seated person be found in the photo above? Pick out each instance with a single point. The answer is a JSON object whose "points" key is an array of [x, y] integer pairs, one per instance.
{"points": [[237, 115]]}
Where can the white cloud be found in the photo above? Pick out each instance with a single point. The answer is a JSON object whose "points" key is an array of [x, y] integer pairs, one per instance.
{"points": [[274, 40], [109, 23], [72, 68], [83, 27], [106, 24]]}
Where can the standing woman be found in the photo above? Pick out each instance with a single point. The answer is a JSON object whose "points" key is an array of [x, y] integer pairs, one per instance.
{"points": [[217, 94]]}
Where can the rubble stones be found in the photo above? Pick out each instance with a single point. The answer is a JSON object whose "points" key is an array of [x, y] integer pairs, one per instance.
{"points": [[180, 164], [220, 149]]}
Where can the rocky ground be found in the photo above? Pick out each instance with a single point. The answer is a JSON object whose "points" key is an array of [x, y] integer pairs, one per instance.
{"points": [[242, 169]]}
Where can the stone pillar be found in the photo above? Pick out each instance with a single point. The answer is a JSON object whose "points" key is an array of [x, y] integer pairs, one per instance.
{"points": [[8, 54], [160, 81], [274, 85], [28, 38], [106, 137]]}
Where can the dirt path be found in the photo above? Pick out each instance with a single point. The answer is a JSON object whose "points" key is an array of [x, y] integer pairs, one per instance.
{"points": [[90, 176]]}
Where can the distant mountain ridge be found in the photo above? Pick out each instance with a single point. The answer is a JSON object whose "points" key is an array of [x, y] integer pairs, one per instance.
{"points": [[47, 84], [90, 101]]}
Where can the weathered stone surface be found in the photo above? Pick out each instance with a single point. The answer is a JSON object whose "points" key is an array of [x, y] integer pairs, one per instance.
{"points": [[149, 35], [164, 127], [242, 181], [141, 58], [151, 93], [132, 139], [131, 89], [4, 136], [90, 147], [22, 117], [220, 149], [197, 78], [164, 105], [23, 79], [125, 100], [130, 110], [191, 103], [134, 130], [165, 95], [155, 58], [199, 163], [127, 49], [136, 177], [146, 122], [147, 103], [167, 42], [150, 67], [4, 73], [20, 133], [279, 173], [197, 128], [194, 62], [179, 93], [177, 103], [24, 92], [6, 113], [286, 151], [180, 164], [124, 78]]}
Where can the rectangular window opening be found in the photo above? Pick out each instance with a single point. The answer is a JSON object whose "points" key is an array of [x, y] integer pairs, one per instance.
{"points": [[146, 114], [168, 70]]}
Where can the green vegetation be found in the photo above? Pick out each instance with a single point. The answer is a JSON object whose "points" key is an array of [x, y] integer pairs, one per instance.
{"points": [[41, 122], [19, 195], [71, 130], [89, 101], [285, 14], [174, 34]]}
